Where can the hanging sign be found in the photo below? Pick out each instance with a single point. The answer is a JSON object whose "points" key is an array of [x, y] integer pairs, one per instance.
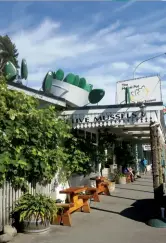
{"points": [[105, 117], [146, 147]]}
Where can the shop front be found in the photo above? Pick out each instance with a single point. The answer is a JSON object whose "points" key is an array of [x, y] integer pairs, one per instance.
{"points": [[129, 122]]}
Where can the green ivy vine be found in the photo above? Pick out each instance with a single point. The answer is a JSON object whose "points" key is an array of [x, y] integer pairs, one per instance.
{"points": [[31, 140]]}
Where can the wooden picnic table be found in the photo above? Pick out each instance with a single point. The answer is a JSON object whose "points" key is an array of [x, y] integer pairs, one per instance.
{"points": [[74, 193], [98, 178], [78, 203], [101, 185]]}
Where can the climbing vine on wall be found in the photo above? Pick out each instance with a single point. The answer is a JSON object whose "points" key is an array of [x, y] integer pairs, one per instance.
{"points": [[80, 159], [31, 139]]}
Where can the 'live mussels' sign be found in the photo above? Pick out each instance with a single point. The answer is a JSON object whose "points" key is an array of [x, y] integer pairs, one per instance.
{"points": [[106, 117]]}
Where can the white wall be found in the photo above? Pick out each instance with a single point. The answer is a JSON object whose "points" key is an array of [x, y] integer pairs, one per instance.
{"points": [[80, 180]]}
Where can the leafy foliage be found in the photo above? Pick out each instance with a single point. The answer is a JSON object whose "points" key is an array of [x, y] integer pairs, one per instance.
{"points": [[124, 154], [79, 156], [8, 52], [35, 207], [31, 139], [106, 141], [123, 150]]}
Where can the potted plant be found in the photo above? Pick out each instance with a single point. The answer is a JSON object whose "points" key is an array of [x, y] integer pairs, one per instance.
{"points": [[111, 186], [121, 178], [111, 183], [34, 212], [78, 161]]}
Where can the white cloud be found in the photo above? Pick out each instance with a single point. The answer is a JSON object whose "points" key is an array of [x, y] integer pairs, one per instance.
{"points": [[162, 60], [120, 65], [149, 66], [108, 29], [124, 6], [102, 56]]}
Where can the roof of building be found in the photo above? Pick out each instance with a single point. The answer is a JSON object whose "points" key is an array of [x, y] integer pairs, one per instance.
{"points": [[89, 107], [23, 87]]}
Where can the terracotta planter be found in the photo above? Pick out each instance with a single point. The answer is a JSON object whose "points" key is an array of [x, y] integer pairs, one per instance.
{"points": [[122, 180], [111, 187]]}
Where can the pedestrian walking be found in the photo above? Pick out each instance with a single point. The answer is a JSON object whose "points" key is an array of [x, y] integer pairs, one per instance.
{"points": [[144, 163]]}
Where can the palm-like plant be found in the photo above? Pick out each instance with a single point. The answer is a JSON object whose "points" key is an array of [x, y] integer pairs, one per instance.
{"points": [[8, 52], [35, 207], [3, 55]]}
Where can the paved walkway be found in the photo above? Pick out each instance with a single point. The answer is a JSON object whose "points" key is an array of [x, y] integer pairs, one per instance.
{"points": [[116, 219]]}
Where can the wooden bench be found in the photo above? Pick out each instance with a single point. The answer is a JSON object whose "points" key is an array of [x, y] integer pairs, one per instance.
{"points": [[64, 213], [128, 178], [103, 188], [101, 185], [85, 208], [93, 193], [63, 209], [78, 203]]}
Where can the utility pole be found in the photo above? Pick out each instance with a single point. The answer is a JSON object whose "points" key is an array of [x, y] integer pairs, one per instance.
{"points": [[156, 162]]}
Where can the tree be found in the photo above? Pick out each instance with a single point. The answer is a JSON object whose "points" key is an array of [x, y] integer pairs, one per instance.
{"points": [[31, 139], [8, 52], [124, 154], [106, 141], [78, 156]]}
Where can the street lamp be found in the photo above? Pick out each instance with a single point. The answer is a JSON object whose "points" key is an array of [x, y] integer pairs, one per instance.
{"points": [[146, 61], [143, 110]]}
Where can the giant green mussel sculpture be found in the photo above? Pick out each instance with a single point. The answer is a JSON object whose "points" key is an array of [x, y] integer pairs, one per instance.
{"points": [[94, 95], [11, 72]]}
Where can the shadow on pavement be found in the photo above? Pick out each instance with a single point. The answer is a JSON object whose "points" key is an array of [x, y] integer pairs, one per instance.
{"points": [[140, 210]]}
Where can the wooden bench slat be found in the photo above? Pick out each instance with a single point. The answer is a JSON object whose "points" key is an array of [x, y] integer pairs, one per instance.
{"points": [[91, 189], [65, 205], [105, 183], [74, 190], [85, 197]]}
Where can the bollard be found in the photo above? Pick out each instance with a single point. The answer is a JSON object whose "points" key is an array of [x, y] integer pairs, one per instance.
{"points": [[162, 213]]}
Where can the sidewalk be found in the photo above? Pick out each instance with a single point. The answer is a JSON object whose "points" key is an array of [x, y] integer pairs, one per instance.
{"points": [[116, 219]]}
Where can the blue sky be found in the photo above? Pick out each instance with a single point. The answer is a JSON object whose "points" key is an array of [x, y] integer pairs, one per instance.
{"points": [[101, 41]]}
